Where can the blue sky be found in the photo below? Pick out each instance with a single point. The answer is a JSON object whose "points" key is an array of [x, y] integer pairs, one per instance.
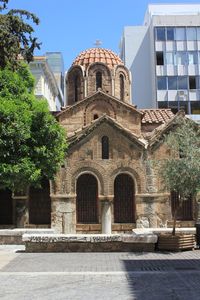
{"points": [[71, 26]]}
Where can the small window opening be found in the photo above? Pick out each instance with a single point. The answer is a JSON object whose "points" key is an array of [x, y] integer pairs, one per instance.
{"points": [[121, 78], [192, 83], [98, 80], [96, 116], [159, 59], [105, 147], [76, 88]]}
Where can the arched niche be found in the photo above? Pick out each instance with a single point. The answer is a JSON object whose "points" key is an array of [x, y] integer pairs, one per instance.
{"points": [[75, 85]]}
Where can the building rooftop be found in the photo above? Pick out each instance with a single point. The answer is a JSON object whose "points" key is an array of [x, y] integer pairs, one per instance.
{"points": [[93, 55], [156, 116]]}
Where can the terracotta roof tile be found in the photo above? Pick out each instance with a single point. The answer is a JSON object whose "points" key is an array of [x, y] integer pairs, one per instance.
{"points": [[159, 116], [98, 55]]}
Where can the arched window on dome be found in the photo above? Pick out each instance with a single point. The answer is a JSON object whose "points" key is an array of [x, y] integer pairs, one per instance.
{"points": [[95, 116], [76, 81], [121, 79], [98, 80], [105, 147]]}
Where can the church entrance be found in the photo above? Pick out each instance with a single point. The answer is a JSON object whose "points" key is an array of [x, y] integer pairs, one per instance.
{"points": [[40, 204], [6, 207], [124, 199], [86, 201]]}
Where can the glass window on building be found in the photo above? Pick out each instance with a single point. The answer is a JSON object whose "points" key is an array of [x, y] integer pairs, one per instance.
{"points": [[162, 104], [181, 58], [159, 58], [182, 83], [172, 83], [174, 106], [192, 82], [160, 33], [198, 33], [195, 107], [184, 105], [169, 58], [198, 82], [180, 34], [192, 57], [170, 33], [191, 34], [161, 83]]}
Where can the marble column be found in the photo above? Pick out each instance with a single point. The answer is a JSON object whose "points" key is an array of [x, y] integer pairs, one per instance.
{"points": [[106, 217], [63, 215]]}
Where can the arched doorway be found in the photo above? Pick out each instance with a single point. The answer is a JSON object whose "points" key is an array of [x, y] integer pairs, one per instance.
{"points": [[40, 204], [86, 201], [6, 207], [124, 199]]}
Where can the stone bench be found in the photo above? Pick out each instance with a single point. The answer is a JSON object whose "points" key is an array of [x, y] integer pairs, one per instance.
{"points": [[14, 236], [158, 231], [89, 242]]}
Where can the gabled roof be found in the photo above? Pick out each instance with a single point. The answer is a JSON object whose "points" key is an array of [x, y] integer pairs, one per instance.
{"points": [[86, 130], [156, 116], [158, 133], [93, 97]]}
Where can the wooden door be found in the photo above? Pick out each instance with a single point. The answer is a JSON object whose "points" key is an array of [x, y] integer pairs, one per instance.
{"points": [[124, 199], [6, 207], [40, 204], [87, 193]]}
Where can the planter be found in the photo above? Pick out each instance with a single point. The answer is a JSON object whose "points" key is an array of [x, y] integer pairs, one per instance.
{"points": [[176, 243]]}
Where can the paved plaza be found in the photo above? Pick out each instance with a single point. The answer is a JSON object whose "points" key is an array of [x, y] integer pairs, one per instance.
{"points": [[118, 276]]}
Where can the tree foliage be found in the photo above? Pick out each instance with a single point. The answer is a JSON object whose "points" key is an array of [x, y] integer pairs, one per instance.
{"points": [[181, 172], [16, 36], [32, 144]]}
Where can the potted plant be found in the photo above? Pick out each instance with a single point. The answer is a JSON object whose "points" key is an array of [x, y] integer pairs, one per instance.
{"points": [[181, 175]]}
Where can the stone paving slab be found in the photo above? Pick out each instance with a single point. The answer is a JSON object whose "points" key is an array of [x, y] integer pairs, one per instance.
{"points": [[89, 276], [140, 286]]}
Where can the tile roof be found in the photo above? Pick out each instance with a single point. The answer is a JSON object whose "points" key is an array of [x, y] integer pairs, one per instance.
{"points": [[93, 55], [156, 116]]}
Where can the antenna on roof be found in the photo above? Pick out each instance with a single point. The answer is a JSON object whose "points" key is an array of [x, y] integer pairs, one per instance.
{"points": [[98, 43]]}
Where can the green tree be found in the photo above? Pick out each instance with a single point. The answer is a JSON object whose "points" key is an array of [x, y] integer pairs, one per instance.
{"points": [[181, 171], [16, 36], [32, 143]]}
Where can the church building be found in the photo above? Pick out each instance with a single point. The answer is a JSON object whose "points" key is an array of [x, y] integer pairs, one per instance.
{"points": [[108, 182]]}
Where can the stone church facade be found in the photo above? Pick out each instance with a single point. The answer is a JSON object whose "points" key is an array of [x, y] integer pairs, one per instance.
{"points": [[108, 182]]}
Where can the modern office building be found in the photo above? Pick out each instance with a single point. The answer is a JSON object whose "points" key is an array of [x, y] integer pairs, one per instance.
{"points": [[163, 56], [56, 63], [47, 84]]}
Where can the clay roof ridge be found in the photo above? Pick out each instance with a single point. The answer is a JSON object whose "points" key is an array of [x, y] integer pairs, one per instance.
{"points": [[79, 134], [95, 93]]}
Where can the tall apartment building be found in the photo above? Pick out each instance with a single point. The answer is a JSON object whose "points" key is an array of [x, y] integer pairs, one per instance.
{"points": [[163, 56]]}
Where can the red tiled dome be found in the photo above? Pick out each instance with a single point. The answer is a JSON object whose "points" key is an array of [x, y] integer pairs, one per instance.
{"points": [[93, 55]]}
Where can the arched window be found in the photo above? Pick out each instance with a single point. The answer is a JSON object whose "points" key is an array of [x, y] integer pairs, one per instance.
{"points": [[105, 147], [76, 88], [95, 116], [98, 80], [121, 79]]}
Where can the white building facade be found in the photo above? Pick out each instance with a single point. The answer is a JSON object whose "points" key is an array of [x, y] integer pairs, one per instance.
{"points": [[46, 85], [163, 56]]}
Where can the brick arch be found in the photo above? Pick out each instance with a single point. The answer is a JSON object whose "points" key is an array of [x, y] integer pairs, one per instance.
{"points": [[75, 72], [91, 78], [99, 107], [91, 168], [124, 170], [121, 70]]}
